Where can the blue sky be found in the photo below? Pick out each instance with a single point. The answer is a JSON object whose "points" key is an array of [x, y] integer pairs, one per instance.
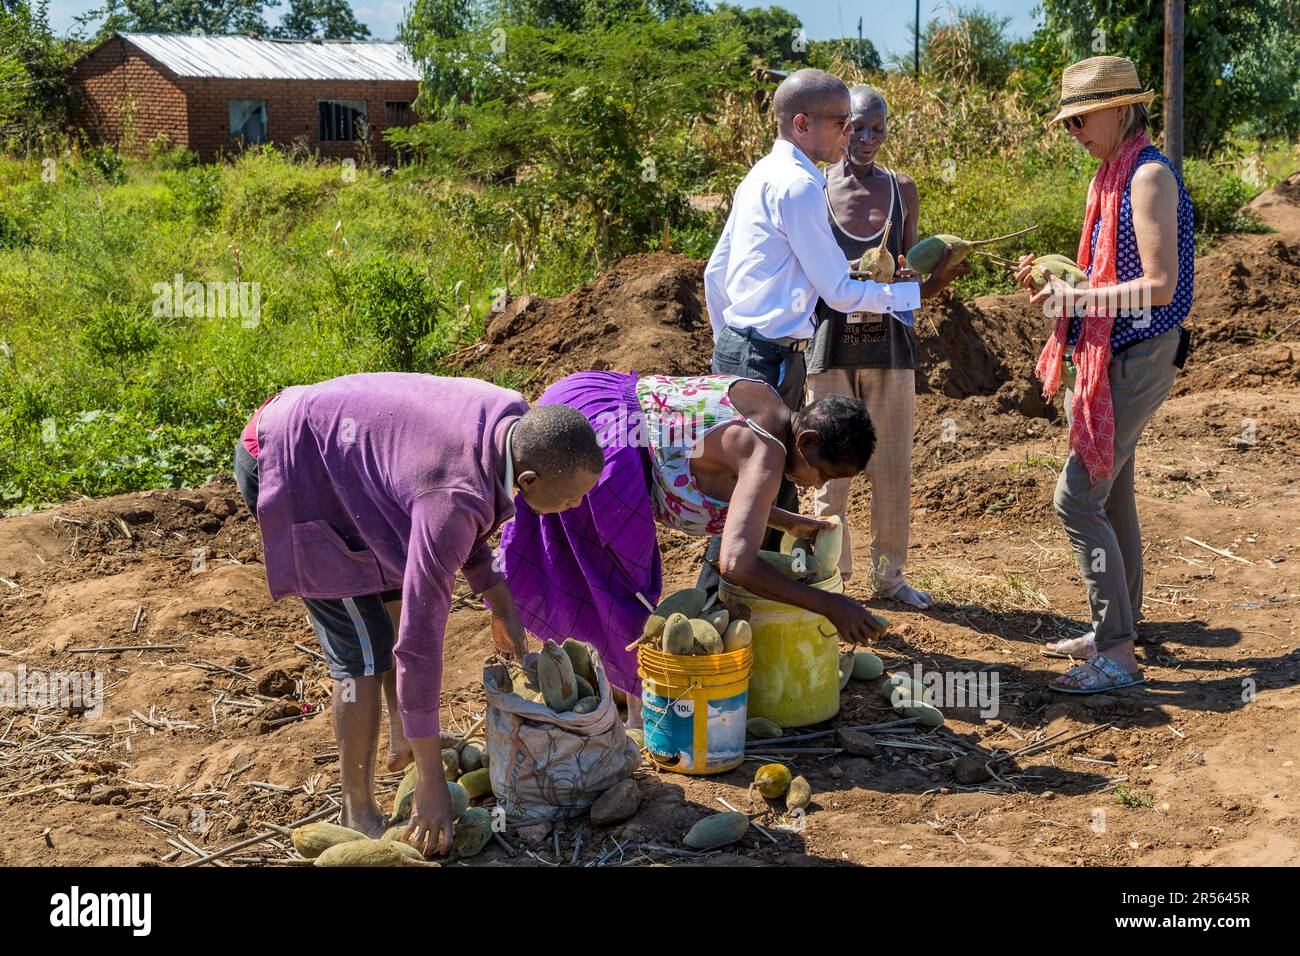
{"points": [[884, 22]]}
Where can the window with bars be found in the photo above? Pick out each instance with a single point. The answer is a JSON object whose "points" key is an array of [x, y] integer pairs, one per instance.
{"points": [[342, 120]]}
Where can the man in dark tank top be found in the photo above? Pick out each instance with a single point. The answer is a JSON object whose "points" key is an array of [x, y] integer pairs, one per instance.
{"points": [[872, 356]]}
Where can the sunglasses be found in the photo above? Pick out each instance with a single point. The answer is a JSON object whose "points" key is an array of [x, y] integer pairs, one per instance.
{"points": [[843, 120], [1073, 122]]}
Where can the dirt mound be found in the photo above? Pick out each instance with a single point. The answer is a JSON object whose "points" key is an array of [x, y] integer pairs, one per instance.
{"points": [[986, 346], [215, 708], [646, 314], [1289, 189]]}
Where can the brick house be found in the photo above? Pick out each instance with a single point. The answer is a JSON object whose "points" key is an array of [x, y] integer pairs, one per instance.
{"points": [[214, 94]]}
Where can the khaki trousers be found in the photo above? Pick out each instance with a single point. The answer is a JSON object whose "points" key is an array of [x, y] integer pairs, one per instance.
{"points": [[890, 397], [1101, 518]]}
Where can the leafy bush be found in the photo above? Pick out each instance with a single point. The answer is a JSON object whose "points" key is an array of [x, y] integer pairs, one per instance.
{"points": [[118, 335], [166, 156], [1217, 197], [399, 305], [198, 192], [105, 160]]}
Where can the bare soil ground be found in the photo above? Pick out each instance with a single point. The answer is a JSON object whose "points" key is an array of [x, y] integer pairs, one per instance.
{"points": [[1197, 768]]}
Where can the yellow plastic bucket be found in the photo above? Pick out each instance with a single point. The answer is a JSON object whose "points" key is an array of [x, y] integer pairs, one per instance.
{"points": [[795, 679], [694, 709]]}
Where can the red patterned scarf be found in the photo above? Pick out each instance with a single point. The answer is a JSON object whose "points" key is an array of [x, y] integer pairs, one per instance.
{"points": [[1092, 432]]}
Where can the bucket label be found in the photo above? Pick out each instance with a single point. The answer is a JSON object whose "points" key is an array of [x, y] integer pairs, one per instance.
{"points": [[670, 730]]}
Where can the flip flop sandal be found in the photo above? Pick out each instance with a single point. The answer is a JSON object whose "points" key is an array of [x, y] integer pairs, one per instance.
{"points": [[1082, 647], [1099, 675]]}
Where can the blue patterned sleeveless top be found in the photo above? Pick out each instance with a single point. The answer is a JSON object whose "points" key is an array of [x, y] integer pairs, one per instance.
{"points": [[1136, 326]]}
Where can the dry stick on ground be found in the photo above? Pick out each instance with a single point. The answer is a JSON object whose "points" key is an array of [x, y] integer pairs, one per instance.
{"points": [[127, 647], [1221, 553], [286, 720], [751, 821], [1054, 741], [309, 651], [251, 841]]}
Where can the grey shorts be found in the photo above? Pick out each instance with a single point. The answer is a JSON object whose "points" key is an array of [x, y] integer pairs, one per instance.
{"points": [[355, 633]]}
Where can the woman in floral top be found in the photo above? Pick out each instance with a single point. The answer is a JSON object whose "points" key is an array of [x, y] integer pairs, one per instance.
{"points": [[704, 454]]}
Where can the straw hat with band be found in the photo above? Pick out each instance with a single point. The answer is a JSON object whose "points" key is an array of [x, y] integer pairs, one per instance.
{"points": [[1098, 83]]}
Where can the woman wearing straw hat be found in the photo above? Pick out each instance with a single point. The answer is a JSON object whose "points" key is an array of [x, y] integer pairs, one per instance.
{"points": [[1121, 337]]}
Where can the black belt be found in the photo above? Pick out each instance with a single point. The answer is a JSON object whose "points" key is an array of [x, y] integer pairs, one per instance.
{"points": [[1180, 357], [787, 343]]}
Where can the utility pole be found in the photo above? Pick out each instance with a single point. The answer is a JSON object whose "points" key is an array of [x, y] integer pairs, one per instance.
{"points": [[859, 56], [1174, 83], [916, 43]]}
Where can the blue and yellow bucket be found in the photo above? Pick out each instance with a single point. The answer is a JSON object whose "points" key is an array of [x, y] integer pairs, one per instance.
{"points": [[694, 709]]}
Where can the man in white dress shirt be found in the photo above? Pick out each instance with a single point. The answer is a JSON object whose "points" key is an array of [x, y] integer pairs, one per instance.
{"points": [[776, 257]]}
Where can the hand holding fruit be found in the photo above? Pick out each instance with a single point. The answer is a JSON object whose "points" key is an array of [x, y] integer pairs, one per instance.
{"points": [[852, 620], [430, 829], [903, 274], [1054, 288], [948, 269], [1024, 278]]}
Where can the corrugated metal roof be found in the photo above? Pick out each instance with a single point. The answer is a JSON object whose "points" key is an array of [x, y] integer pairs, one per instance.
{"points": [[245, 58]]}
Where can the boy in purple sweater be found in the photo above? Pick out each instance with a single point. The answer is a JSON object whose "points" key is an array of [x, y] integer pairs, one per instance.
{"points": [[371, 492]]}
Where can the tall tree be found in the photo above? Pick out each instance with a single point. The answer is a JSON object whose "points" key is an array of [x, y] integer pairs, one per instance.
{"points": [[179, 16], [35, 92], [970, 45], [331, 19], [1241, 63], [773, 35]]}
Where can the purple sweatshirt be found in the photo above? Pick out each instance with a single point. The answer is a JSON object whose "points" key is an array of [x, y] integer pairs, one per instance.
{"points": [[370, 483]]}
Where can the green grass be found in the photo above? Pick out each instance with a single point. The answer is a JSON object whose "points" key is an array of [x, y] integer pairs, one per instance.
{"points": [[1033, 462], [1133, 798], [100, 394]]}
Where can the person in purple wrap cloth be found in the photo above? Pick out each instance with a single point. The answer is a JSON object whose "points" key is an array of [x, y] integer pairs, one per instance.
{"points": [[704, 454], [371, 493]]}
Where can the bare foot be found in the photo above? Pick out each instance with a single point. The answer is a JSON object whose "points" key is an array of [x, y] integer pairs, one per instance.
{"points": [[1124, 656], [367, 820]]}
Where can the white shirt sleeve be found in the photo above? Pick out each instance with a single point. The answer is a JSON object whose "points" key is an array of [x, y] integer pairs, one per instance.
{"points": [[715, 277], [803, 215]]}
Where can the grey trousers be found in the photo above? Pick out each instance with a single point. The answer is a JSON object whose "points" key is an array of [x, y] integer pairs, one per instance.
{"points": [[785, 371], [1101, 519]]}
